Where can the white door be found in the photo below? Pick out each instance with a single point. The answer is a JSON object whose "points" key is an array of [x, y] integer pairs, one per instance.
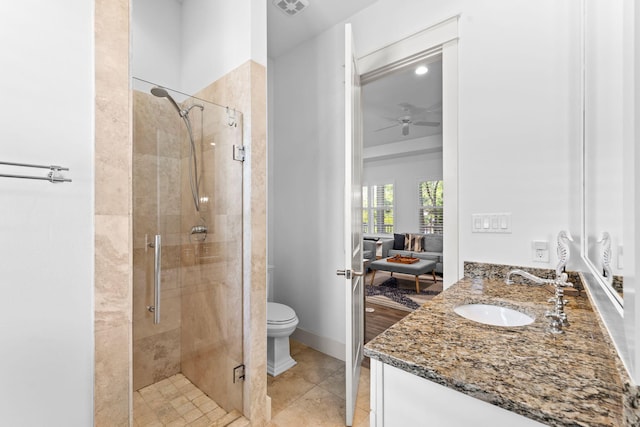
{"points": [[354, 279]]}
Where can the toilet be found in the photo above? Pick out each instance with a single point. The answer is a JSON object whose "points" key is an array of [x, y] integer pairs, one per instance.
{"points": [[281, 322]]}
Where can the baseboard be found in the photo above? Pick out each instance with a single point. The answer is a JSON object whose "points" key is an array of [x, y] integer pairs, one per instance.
{"points": [[322, 344]]}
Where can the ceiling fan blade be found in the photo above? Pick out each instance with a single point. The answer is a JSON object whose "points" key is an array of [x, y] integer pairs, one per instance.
{"points": [[426, 123], [411, 109], [387, 127], [434, 108]]}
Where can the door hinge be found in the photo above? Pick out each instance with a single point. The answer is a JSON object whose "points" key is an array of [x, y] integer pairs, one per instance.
{"points": [[238, 153], [238, 373]]}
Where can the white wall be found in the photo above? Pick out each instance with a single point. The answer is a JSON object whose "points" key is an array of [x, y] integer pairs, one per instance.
{"points": [[308, 185], [218, 37], [187, 46], [46, 230], [519, 126], [518, 143], [405, 173], [156, 39]]}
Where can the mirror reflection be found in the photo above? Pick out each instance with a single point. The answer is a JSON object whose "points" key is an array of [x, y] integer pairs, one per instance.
{"points": [[604, 68]]}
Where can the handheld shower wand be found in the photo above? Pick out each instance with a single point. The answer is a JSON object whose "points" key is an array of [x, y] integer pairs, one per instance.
{"points": [[194, 181]]}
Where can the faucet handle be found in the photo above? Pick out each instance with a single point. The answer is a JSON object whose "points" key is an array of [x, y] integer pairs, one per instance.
{"points": [[556, 322], [552, 315], [561, 281]]}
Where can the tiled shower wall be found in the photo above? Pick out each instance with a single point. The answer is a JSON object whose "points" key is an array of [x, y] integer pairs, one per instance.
{"points": [[245, 88], [157, 142], [112, 276], [211, 338]]}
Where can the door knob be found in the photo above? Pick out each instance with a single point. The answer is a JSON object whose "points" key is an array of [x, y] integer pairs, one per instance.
{"points": [[349, 273]]}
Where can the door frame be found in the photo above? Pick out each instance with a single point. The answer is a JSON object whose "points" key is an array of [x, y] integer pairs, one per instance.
{"points": [[442, 39]]}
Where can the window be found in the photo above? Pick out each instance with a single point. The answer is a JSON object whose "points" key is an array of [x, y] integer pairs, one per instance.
{"points": [[430, 212], [377, 209]]}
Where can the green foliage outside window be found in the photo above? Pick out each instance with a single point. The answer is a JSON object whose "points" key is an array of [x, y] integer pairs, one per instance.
{"points": [[431, 212]]}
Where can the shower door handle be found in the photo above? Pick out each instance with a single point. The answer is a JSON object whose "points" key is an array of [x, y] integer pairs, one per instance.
{"points": [[157, 277]]}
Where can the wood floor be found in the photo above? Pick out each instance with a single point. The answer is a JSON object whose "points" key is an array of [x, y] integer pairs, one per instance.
{"points": [[379, 321]]}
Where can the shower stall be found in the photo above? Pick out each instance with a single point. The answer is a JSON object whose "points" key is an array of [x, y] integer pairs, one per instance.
{"points": [[187, 241]]}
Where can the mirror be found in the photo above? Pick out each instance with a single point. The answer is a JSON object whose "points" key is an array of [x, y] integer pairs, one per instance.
{"points": [[605, 70]]}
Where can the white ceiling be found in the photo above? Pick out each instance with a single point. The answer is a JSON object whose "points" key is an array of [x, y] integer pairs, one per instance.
{"points": [[285, 32], [386, 101], [403, 96]]}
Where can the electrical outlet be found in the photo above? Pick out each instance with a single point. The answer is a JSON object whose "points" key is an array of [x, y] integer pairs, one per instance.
{"points": [[540, 251], [541, 255]]}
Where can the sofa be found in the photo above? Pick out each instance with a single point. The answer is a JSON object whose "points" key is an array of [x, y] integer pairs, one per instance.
{"points": [[423, 246], [369, 249]]}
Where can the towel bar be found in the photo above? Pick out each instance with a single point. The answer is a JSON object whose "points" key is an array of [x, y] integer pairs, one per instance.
{"points": [[53, 176]]}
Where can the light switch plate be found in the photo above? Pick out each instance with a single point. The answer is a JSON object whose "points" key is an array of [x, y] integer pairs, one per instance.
{"points": [[491, 223]]}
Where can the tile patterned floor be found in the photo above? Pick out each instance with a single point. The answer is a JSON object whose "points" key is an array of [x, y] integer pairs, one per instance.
{"points": [[309, 394], [312, 392], [175, 401]]}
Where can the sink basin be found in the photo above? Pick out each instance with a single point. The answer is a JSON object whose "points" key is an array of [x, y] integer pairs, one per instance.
{"points": [[493, 315]]}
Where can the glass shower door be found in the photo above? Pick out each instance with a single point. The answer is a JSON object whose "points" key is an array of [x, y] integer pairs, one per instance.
{"points": [[187, 227]]}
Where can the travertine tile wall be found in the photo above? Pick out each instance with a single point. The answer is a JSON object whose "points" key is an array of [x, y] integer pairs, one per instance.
{"points": [[245, 89], [212, 269], [256, 308], [158, 135], [112, 287]]}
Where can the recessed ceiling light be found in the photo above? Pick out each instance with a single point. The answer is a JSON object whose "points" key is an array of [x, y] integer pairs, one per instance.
{"points": [[422, 69]]}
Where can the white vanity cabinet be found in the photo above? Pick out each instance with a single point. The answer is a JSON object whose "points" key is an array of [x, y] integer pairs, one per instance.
{"points": [[401, 399]]}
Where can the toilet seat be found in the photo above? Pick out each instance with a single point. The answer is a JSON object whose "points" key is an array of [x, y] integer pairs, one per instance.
{"points": [[279, 314]]}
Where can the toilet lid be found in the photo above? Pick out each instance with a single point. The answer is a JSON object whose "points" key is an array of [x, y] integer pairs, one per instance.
{"points": [[279, 313]]}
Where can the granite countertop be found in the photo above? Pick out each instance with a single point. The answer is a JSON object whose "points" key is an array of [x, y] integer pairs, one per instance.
{"points": [[569, 379]]}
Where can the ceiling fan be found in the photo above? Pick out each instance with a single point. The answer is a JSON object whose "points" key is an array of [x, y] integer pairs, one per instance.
{"points": [[410, 111]]}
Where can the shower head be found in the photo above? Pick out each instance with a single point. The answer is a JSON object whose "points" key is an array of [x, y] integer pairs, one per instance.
{"points": [[161, 92]]}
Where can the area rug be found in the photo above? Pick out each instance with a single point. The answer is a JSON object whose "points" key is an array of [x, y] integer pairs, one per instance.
{"points": [[400, 294]]}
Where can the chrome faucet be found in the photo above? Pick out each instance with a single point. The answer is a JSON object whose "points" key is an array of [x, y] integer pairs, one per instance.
{"points": [[558, 317], [527, 275]]}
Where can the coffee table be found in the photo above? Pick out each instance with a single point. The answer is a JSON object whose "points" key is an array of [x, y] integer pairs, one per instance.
{"points": [[422, 266]]}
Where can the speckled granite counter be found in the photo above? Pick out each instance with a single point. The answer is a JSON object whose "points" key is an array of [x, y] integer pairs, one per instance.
{"points": [[560, 380]]}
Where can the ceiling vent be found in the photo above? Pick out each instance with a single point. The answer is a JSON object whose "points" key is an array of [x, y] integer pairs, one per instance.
{"points": [[291, 7]]}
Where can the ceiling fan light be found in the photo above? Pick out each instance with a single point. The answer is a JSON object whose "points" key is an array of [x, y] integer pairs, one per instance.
{"points": [[422, 70]]}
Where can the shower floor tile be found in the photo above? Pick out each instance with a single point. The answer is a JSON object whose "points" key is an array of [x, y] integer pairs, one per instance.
{"points": [[175, 401]]}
